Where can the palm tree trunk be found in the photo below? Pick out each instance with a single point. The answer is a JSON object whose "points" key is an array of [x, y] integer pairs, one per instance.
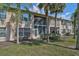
{"points": [[77, 41], [48, 29], [55, 22], [18, 34], [74, 28], [47, 19], [17, 27]]}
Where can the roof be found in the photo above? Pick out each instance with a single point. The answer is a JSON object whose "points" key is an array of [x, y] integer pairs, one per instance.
{"points": [[43, 15], [39, 14]]}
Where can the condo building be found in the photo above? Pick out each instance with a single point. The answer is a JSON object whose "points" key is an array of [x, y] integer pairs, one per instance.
{"points": [[30, 26]]}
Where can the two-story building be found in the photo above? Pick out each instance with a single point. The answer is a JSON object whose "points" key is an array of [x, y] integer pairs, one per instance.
{"points": [[30, 26]]}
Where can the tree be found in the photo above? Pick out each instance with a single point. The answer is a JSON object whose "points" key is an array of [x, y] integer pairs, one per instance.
{"points": [[46, 7], [10, 9], [77, 41], [53, 8], [74, 22], [15, 20], [6, 7], [57, 8], [17, 16]]}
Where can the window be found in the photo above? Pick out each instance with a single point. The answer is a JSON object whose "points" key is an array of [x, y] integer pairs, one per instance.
{"points": [[2, 14], [40, 29], [69, 30], [41, 25], [2, 31], [25, 17], [21, 32], [35, 26], [40, 21], [63, 30], [36, 32], [52, 29], [63, 22], [24, 32]]}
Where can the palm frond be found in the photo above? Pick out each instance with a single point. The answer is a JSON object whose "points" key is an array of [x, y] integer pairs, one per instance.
{"points": [[41, 5], [59, 7], [4, 6]]}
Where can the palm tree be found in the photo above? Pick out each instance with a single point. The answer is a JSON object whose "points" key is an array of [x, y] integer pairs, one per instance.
{"points": [[53, 8], [16, 19], [46, 7], [57, 8], [74, 21], [18, 16], [12, 21], [8, 8], [4, 6], [77, 41]]}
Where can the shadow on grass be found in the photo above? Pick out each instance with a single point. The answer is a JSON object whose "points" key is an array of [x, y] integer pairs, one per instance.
{"points": [[56, 40], [41, 42], [72, 47], [33, 42]]}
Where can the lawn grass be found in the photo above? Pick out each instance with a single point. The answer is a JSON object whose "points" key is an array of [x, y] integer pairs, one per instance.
{"points": [[67, 42], [40, 50]]}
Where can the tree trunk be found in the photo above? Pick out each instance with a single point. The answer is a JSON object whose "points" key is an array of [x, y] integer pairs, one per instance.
{"points": [[17, 35], [47, 19], [77, 41], [74, 29], [17, 27], [55, 22], [48, 29]]}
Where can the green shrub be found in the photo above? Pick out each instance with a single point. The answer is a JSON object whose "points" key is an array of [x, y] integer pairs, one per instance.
{"points": [[67, 34], [54, 36]]}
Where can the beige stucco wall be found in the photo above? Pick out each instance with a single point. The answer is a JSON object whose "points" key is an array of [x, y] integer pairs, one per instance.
{"points": [[61, 26], [3, 24], [30, 25], [52, 23]]}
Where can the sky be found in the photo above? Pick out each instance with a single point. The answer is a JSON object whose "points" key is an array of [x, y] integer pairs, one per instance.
{"points": [[67, 13], [69, 10]]}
